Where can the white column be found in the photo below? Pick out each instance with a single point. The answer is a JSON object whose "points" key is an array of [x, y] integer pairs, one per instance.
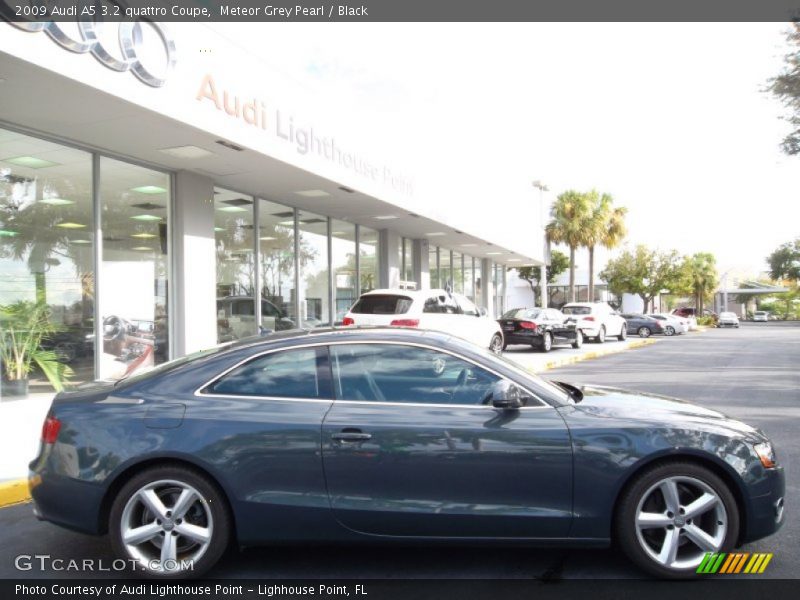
{"points": [[194, 277], [389, 271], [486, 299], [421, 266]]}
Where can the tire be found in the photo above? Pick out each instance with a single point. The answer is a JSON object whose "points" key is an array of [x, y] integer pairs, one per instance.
{"points": [[497, 343], [578, 339], [547, 342], [669, 330], [649, 547], [644, 332], [623, 333], [206, 519], [600, 338]]}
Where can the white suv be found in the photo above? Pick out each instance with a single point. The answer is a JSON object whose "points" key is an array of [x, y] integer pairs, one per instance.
{"points": [[427, 309], [597, 320]]}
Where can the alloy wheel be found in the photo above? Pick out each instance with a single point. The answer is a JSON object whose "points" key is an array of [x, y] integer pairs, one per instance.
{"points": [[678, 520], [644, 332], [496, 345]]}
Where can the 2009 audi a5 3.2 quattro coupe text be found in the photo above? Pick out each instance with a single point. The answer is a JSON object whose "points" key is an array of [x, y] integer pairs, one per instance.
{"points": [[386, 435]]}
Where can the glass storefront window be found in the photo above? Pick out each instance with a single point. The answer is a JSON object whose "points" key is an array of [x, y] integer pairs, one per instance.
{"points": [[408, 260], [469, 281], [368, 259], [445, 269], [134, 219], [46, 257], [433, 266], [343, 260], [276, 248], [458, 273], [314, 296], [233, 229]]}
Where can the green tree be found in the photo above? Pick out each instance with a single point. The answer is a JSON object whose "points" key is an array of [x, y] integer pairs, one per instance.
{"points": [[700, 273], [606, 227], [570, 215], [784, 262], [644, 272], [558, 264], [786, 87]]}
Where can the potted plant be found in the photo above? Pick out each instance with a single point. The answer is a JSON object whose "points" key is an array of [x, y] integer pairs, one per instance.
{"points": [[23, 326]]}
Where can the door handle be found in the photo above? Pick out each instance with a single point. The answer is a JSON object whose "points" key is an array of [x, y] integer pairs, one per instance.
{"points": [[351, 435]]}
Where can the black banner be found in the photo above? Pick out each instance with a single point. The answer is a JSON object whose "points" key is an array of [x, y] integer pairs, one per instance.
{"points": [[401, 10]]}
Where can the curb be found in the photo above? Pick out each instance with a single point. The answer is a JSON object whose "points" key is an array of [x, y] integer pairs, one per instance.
{"points": [[568, 360], [14, 492]]}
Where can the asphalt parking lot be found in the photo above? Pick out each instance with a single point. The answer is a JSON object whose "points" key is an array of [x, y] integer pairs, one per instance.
{"points": [[750, 373]]}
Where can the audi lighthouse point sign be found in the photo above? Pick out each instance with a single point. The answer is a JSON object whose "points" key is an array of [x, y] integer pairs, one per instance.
{"points": [[130, 54]]}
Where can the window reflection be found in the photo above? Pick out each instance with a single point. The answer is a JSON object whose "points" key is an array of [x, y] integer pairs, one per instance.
{"points": [[368, 261], [276, 246], [314, 297], [343, 258]]}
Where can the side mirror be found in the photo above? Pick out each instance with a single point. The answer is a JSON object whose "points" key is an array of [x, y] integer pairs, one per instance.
{"points": [[507, 396], [482, 312]]}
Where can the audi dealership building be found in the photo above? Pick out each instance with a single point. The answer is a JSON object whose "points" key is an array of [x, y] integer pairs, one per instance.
{"points": [[162, 190]]}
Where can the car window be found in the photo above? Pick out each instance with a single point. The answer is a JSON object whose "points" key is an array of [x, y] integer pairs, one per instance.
{"points": [[435, 304], [522, 313], [400, 373], [576, 310], [382, 304], [270, 310], [282, 374], [466, 305], [243, 308]]}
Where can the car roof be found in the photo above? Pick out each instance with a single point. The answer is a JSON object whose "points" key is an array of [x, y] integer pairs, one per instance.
{"points": [[409, 293]]}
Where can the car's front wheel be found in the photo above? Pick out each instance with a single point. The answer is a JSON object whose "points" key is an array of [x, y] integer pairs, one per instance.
{"points": [[497, 345], [669, 330], [171, 521], [671, 515], [601, 335], [547, 342], [644, 332]]}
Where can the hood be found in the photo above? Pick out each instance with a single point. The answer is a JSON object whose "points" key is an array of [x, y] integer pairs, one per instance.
{"points": [[617, 403]]}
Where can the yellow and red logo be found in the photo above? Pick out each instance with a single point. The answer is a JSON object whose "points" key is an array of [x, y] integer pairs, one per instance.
{"points": [[734, 562]]}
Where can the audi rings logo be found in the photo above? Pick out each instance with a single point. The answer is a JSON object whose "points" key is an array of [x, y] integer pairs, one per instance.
{"points": [[129, 55]]}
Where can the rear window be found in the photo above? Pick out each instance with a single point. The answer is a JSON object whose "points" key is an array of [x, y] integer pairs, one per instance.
{"points": [[576, 310], [760, 312], [382, 304], [522, 313], [728, 315]]}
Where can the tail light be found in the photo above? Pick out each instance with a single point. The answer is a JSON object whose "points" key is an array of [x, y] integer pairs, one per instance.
{"points": [[528, 325], [348, 321], [659, 325], [50, 430], [405, 323], [589, 318]]}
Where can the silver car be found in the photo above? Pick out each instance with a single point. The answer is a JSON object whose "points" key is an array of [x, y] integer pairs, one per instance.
{"points": [[728, 319], [672, 324]]}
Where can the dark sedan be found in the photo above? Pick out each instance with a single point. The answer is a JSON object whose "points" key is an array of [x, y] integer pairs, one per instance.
{"points": [[540, 328], [394, 435], [642, 325]]}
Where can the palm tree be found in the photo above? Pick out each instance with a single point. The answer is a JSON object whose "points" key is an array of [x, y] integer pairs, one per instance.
{"points": [[606, 227], [703, 275], [570, 214]]}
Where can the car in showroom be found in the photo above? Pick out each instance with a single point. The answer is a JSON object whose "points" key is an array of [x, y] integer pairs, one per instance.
{"points": [[673, 325], [597, 320], [439, 310], [642, 325], [540, 328], [394, 435], [761, 315], [728, 319]]}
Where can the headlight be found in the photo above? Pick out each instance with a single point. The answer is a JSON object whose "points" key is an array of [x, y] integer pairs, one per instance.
{"points": [[766, 454]]}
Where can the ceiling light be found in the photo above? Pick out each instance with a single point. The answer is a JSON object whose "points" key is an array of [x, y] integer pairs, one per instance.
{"points": [[436, 234], [70, 225], [493, 253], [146, 218], [514, 260], [287, 222], [219, 229], [312, 193], [56, 201], [187, 152], [386, 217], [267, 238], [468, 245], [338, 232], [232, 209], [31, 162], [147, 205], [80, 241], [142, 248], [144, 236], [149, 189], [8, 233]]}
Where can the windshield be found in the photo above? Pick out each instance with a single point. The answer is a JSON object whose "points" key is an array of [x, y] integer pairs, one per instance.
{"points": [[522, 313], [728, 315], [576, 310], [171, 364]]}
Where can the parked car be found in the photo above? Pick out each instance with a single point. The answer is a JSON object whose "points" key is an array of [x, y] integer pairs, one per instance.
{"points": [[642, 325], [540, 328], [597, 320], [690, 311], [393, 435], [761, 315], [672, 324], [728, 319], [236, 317], [438, 310]]}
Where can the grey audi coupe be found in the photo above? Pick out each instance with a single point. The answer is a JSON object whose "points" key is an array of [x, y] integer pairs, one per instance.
{"points": [[388, 435]]}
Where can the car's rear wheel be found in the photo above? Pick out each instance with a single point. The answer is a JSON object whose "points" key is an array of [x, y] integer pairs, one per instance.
{"points": [[601, 335], [171, 521], [578, 339], [497, 345], [644, 332], [547, 342], [623, 333], [669, 330], [670, 516]]}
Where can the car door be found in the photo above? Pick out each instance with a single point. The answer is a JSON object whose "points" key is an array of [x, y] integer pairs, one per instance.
{"points": [[556, 323], [441, 313], [413, 447], [475, 328]]}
